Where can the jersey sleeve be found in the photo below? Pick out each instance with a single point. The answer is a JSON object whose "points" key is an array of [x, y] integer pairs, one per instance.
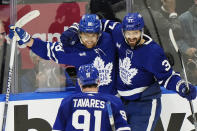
{"points": [[61, 119], [109, 26], [158, 64], [120, 117], [55, 52]]}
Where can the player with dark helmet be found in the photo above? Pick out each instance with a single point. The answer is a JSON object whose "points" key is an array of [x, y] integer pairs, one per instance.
{"points": [[91, 46], [89, 30], [143, 68], [90, 110], [133, 28]]}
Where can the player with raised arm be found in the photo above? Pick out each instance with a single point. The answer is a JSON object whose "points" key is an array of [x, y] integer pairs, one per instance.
{"points": [[87, 110], [92, 46], [143, 68]]}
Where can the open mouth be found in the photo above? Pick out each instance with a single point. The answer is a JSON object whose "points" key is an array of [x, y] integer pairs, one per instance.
{"points": [[132, 40]]}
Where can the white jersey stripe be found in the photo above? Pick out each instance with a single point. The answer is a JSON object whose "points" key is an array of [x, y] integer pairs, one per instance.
{"points": [[150, 39], [48, 51], [123, 129], [178, 84], [107, 21], [166, 82], [152, 116], [52, 48], [132, 92], [160, 82]]}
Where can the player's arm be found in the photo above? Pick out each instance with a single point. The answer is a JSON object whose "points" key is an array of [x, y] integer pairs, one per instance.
{"points": [[161, 68], [55, 52], [109, 26], [51, 51], [61, 118], [120, 117], [70, 36]]}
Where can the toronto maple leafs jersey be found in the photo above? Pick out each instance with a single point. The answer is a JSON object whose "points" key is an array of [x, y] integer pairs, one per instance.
{"points": [[88, 112], [142, 66], [102, 56]]}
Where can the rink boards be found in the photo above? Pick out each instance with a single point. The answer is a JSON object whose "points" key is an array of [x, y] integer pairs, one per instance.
{"points": [[37, 111]]}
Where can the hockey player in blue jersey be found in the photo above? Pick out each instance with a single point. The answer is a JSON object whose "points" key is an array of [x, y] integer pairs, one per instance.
{"points": [[89, 110], [92, 46], [143, 68]]}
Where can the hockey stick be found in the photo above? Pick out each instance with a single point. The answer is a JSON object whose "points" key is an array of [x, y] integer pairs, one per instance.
{"points": [[20, 23], [185, 75], [111, 118]]}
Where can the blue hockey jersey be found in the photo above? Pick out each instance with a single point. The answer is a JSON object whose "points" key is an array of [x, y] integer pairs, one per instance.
{"points": [[88, 112], [102, 56], [142, 66]]}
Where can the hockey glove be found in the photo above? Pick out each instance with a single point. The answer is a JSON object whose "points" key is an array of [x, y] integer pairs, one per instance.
{"points": [[22, 36], [189, 94], [70, 36]]}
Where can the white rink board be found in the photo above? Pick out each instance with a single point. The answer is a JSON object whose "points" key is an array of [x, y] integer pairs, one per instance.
{"points": [[46, 109]]}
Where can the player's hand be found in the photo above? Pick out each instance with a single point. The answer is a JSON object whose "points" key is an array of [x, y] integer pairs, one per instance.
{"points": [[22, 36], [70, 36], [189, 94]]}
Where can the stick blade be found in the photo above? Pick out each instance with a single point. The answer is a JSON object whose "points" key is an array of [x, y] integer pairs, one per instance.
{"points": [[27, 18], [173, 40]]}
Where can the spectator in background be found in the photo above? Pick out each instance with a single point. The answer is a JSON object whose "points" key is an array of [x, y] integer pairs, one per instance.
{"points": [[45, 76], [168, 10], [189, 21], [4, 57], [158, 23], [104, 9], [28, 78], [52, 77], [65, 16], [188, 43]]}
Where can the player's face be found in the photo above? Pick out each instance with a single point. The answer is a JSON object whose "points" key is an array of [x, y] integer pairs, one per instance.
{"points": [[89, 39], [132, 37]]}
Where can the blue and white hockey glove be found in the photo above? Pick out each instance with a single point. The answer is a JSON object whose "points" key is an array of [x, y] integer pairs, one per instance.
{"points": [[22, 36], [70, 36], [189, 94]]}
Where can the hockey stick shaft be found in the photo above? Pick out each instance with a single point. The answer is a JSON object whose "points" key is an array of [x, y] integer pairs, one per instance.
{"points": [[111, 118], [20, 23], [185, 75], [9, 83]]}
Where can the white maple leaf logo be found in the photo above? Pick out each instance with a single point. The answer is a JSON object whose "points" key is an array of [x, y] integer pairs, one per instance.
{"points": [[126, 73], [104, 71]]}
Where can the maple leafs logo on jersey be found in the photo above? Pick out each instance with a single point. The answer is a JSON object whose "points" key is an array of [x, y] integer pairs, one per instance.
{"points": [[104, 71], [126, 73]]}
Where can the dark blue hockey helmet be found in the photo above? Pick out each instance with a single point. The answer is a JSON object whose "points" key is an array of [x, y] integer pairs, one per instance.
{"points": [[90, 23], [88, 75], [133, 21]]}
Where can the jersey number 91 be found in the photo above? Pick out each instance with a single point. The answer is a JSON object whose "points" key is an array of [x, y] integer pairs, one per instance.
{"points": [[86, 125]]}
